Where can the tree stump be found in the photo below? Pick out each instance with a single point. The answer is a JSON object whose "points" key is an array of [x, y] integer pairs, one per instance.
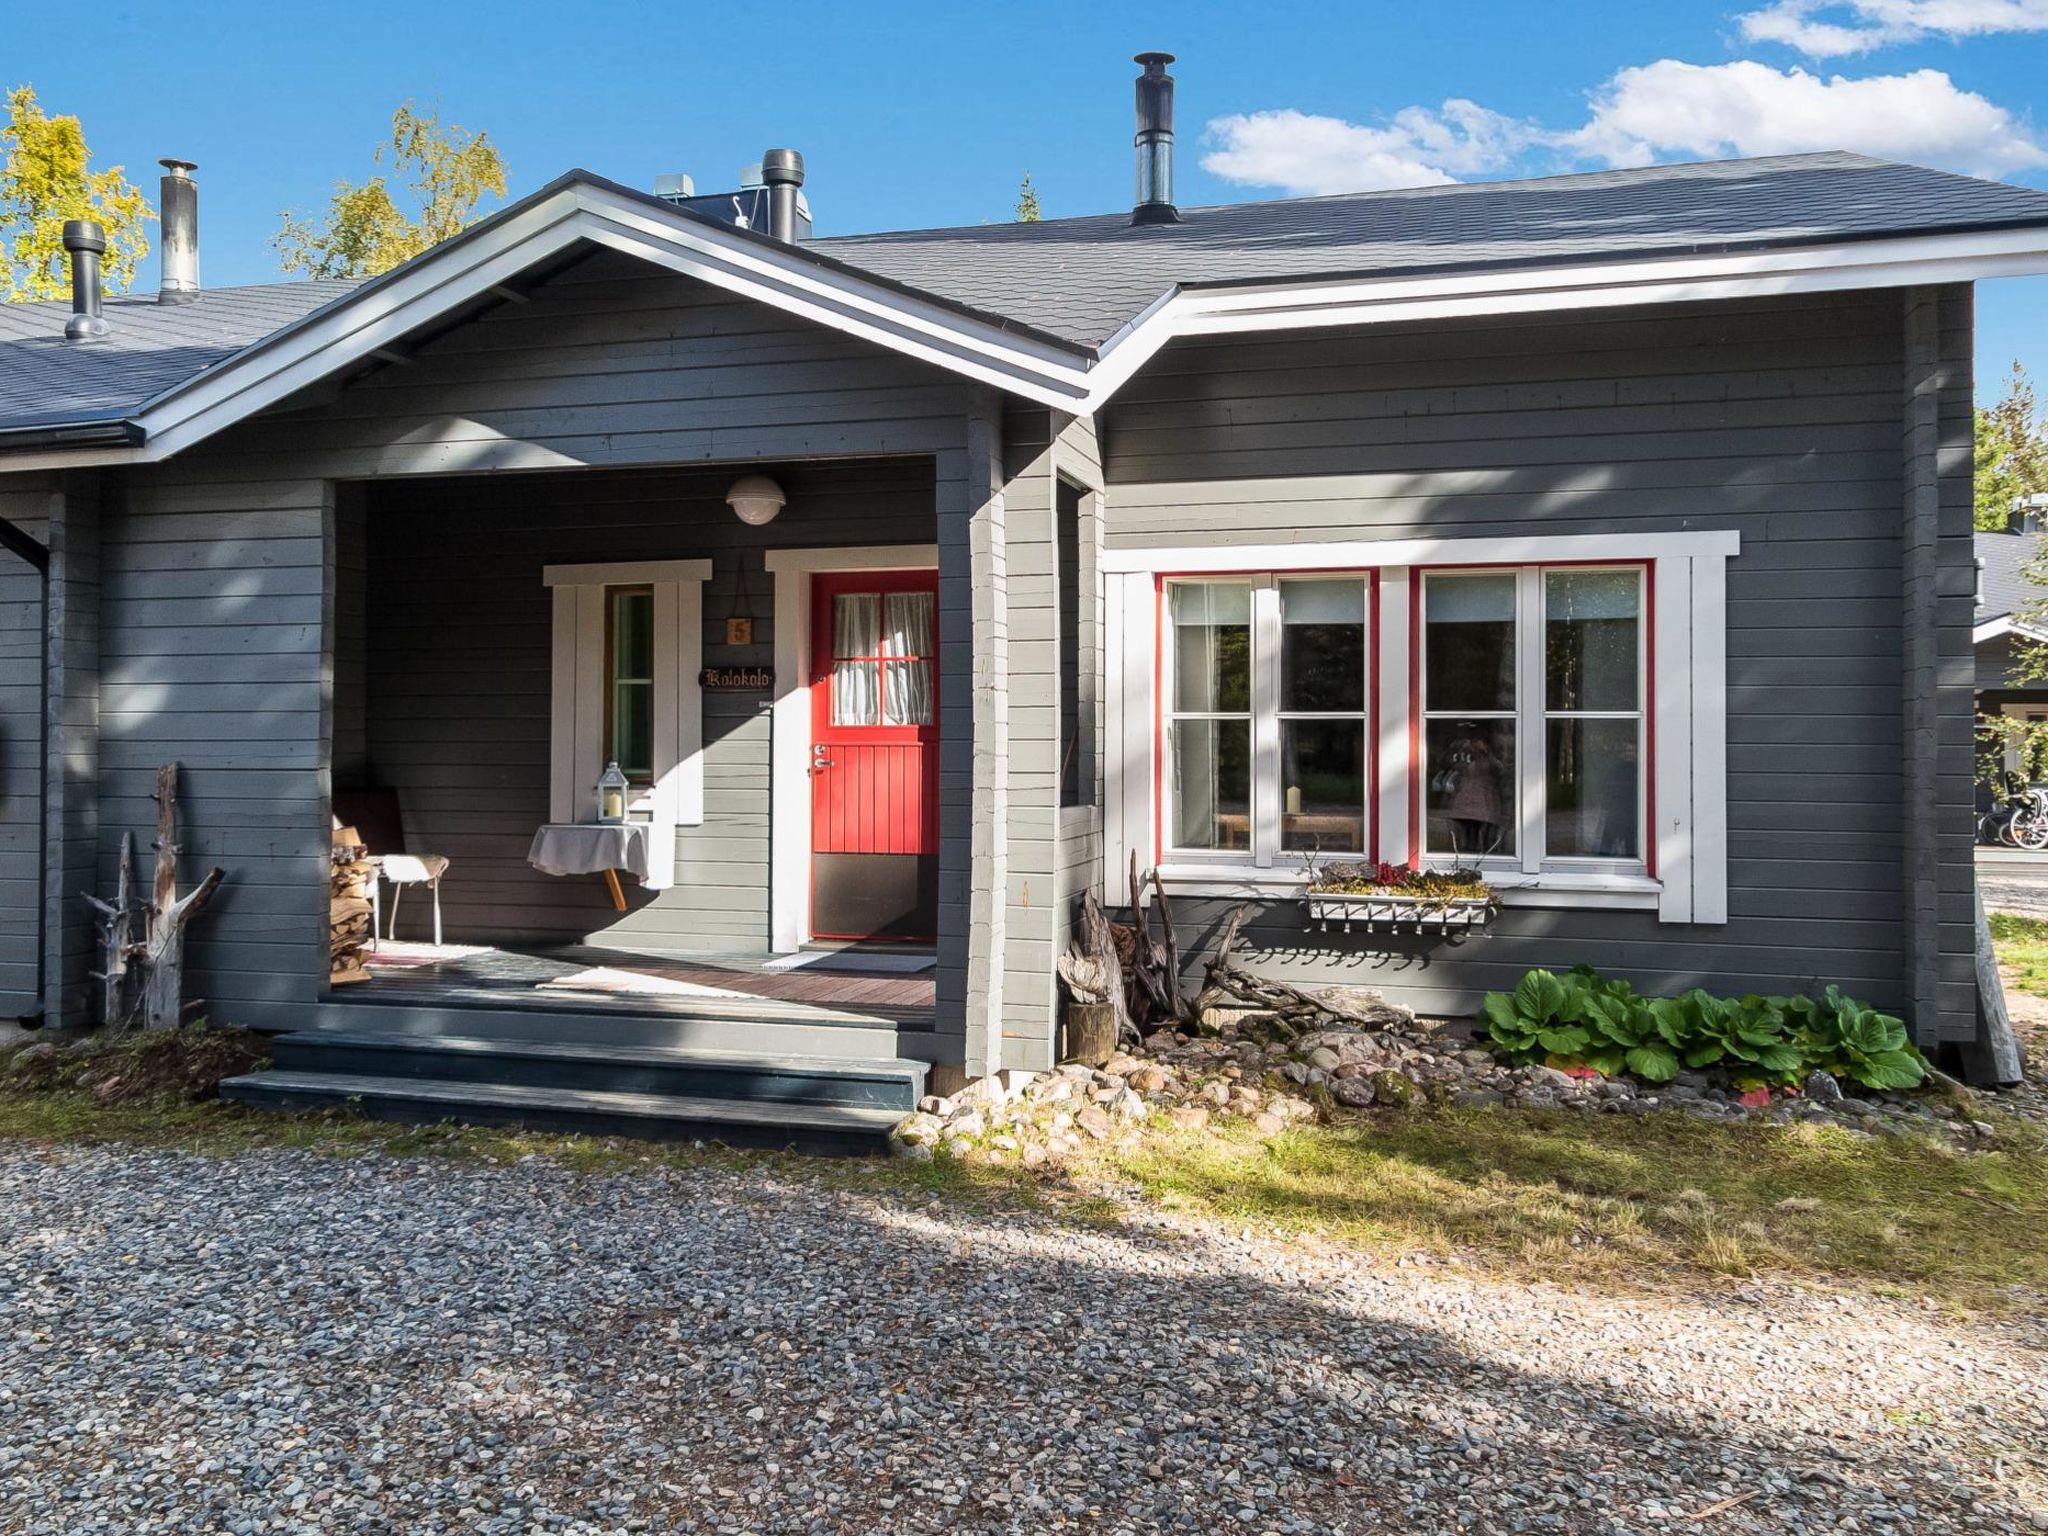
{"points": [[1091, 1033], [145, 978]]}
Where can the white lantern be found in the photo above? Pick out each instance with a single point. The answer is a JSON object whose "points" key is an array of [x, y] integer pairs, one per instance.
{"points": [[611, 794], [755, 499]]}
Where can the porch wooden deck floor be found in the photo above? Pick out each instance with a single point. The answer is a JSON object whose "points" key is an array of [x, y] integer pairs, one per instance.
{"points": [[587, 979]]}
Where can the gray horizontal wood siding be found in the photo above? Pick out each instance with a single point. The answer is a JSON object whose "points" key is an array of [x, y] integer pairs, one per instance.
{"points": [[1781, 419], [458, 676], [27, 504]]}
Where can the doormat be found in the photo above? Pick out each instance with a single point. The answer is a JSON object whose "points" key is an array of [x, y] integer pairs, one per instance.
{"points": [[876, 962]]}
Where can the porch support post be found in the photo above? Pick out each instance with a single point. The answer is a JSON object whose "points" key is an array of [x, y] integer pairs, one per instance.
{"points": [[974, 763], [71, 742], [1937, 577]]}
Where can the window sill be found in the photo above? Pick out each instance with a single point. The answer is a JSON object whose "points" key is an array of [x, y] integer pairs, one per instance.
{"points": [[1586, 891]]}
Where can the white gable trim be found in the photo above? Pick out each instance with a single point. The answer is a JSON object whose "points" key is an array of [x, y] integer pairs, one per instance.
{"points": [[2005, 624], [576, 731]]}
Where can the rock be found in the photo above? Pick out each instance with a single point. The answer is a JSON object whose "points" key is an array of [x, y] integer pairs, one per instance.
{"points": [[918, 1130], [31, 1058], [1266, 1123], [1352, 1092], [1394, 1090], [933, 1104], [1822, 1088], [1190, 1117], [1095, 1121], [912, 1151], [972, 1123], [1324, 1059], [1150, 1078], [1477, 1098], [1122, 1064]]}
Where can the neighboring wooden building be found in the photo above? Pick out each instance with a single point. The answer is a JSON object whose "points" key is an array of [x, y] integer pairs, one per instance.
{"points": [[1611, 530]]}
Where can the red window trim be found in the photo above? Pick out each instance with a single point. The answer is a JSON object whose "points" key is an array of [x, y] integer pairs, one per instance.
{"points": [[1371, 575]]}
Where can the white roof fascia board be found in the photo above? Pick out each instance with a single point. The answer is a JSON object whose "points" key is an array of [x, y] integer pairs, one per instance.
{"points": [[1295, 306]]}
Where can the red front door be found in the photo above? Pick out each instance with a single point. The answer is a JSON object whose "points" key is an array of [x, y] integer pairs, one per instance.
{"points": [[875, 755]]}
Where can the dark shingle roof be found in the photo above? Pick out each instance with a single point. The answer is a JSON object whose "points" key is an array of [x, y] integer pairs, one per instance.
{"points": [[148, 347], [1083, 280], [1086, 278], [2002, 582]]}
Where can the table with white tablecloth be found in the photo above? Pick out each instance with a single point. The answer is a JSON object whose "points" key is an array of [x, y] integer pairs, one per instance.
{"points": [[594, 848]]}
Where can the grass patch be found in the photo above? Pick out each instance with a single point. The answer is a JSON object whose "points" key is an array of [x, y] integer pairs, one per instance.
{"points": [[2022, 946], [1574, 1197], [1633, 1201]]}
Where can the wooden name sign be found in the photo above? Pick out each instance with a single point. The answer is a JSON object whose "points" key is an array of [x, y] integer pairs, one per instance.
{"points": [[736, 679]]}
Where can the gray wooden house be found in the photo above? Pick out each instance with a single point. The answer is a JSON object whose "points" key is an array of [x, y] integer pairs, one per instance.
{"points": [[1611, 532]]}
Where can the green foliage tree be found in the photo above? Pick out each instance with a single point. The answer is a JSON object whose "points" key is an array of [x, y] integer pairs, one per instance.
{"points": [[2011, 453], [1028, 211], [45, 180], [448, 171]]}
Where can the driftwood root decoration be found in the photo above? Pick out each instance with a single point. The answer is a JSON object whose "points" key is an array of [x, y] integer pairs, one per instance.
{"points": [[142, 979]]}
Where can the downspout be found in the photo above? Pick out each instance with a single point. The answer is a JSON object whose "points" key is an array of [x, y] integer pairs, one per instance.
{"points": [[38, 555]]}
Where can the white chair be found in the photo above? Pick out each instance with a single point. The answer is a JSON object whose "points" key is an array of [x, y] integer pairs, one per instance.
{"points": [[375, 815]]}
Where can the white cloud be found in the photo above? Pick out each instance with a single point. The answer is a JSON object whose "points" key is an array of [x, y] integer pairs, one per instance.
{"points": [[1828, 29], [1309, 156], [1671, 108], [1652, 112]]}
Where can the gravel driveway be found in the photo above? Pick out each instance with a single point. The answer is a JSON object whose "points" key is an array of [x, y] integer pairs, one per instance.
{"points": [[279, 1341]]}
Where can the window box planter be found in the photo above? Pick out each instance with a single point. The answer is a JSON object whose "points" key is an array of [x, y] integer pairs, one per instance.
{"points": [[1397, 900]]}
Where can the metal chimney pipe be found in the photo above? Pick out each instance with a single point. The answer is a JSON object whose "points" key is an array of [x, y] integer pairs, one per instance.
{"points": [[86, 242], [783, 172], [1154, 142], [178, 224]]}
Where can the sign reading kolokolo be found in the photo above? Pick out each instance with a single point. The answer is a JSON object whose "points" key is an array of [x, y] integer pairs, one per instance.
{"points": [[736, 679]]}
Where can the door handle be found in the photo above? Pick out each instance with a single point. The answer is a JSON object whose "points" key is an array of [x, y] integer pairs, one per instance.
{"points": [[819, 761]]}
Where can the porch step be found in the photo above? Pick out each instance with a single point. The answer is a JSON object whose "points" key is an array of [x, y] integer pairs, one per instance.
{"points": [[650, 1116], [605, 1067]]}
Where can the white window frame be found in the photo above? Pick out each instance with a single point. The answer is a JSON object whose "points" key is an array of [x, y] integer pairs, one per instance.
{"points": [[1533, 718], [576, 739], [1685, 629]]}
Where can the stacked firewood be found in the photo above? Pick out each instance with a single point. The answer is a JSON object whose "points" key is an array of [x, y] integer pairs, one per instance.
{"points": [[348, 912]]}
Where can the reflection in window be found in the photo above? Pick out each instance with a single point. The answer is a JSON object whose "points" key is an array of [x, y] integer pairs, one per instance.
{"points": [[629, 682], [1593, 715], [1470, 799], [1210, 726], [1322, 715]]}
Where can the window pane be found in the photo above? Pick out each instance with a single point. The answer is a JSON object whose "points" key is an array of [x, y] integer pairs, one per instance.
{"points": [[1322, 785], [856, 624], [633, 635], [1592, 773], [1212, 646], [1590, 639], [855, 689], [1212, 776], [906, 693], [1322, 645], [1470, 797], [1470, 641], [633, 729], [907, 624]]}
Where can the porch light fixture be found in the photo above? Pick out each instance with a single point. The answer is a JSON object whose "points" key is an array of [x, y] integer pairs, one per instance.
{"points": [[755, 499], [611, 795]]}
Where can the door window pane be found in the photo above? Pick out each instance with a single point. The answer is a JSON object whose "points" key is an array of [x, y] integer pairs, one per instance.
{"points": [[1470, 641], [1470, 797], [1591, 777], [907, 624], [1212, 646], [906, 693], [1590, 631], [1322, 779], [1322, 645], [1212, 779], [630, 683]]}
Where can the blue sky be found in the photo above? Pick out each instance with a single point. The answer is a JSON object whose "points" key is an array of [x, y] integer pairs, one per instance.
{"points": [[920, 113]]}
